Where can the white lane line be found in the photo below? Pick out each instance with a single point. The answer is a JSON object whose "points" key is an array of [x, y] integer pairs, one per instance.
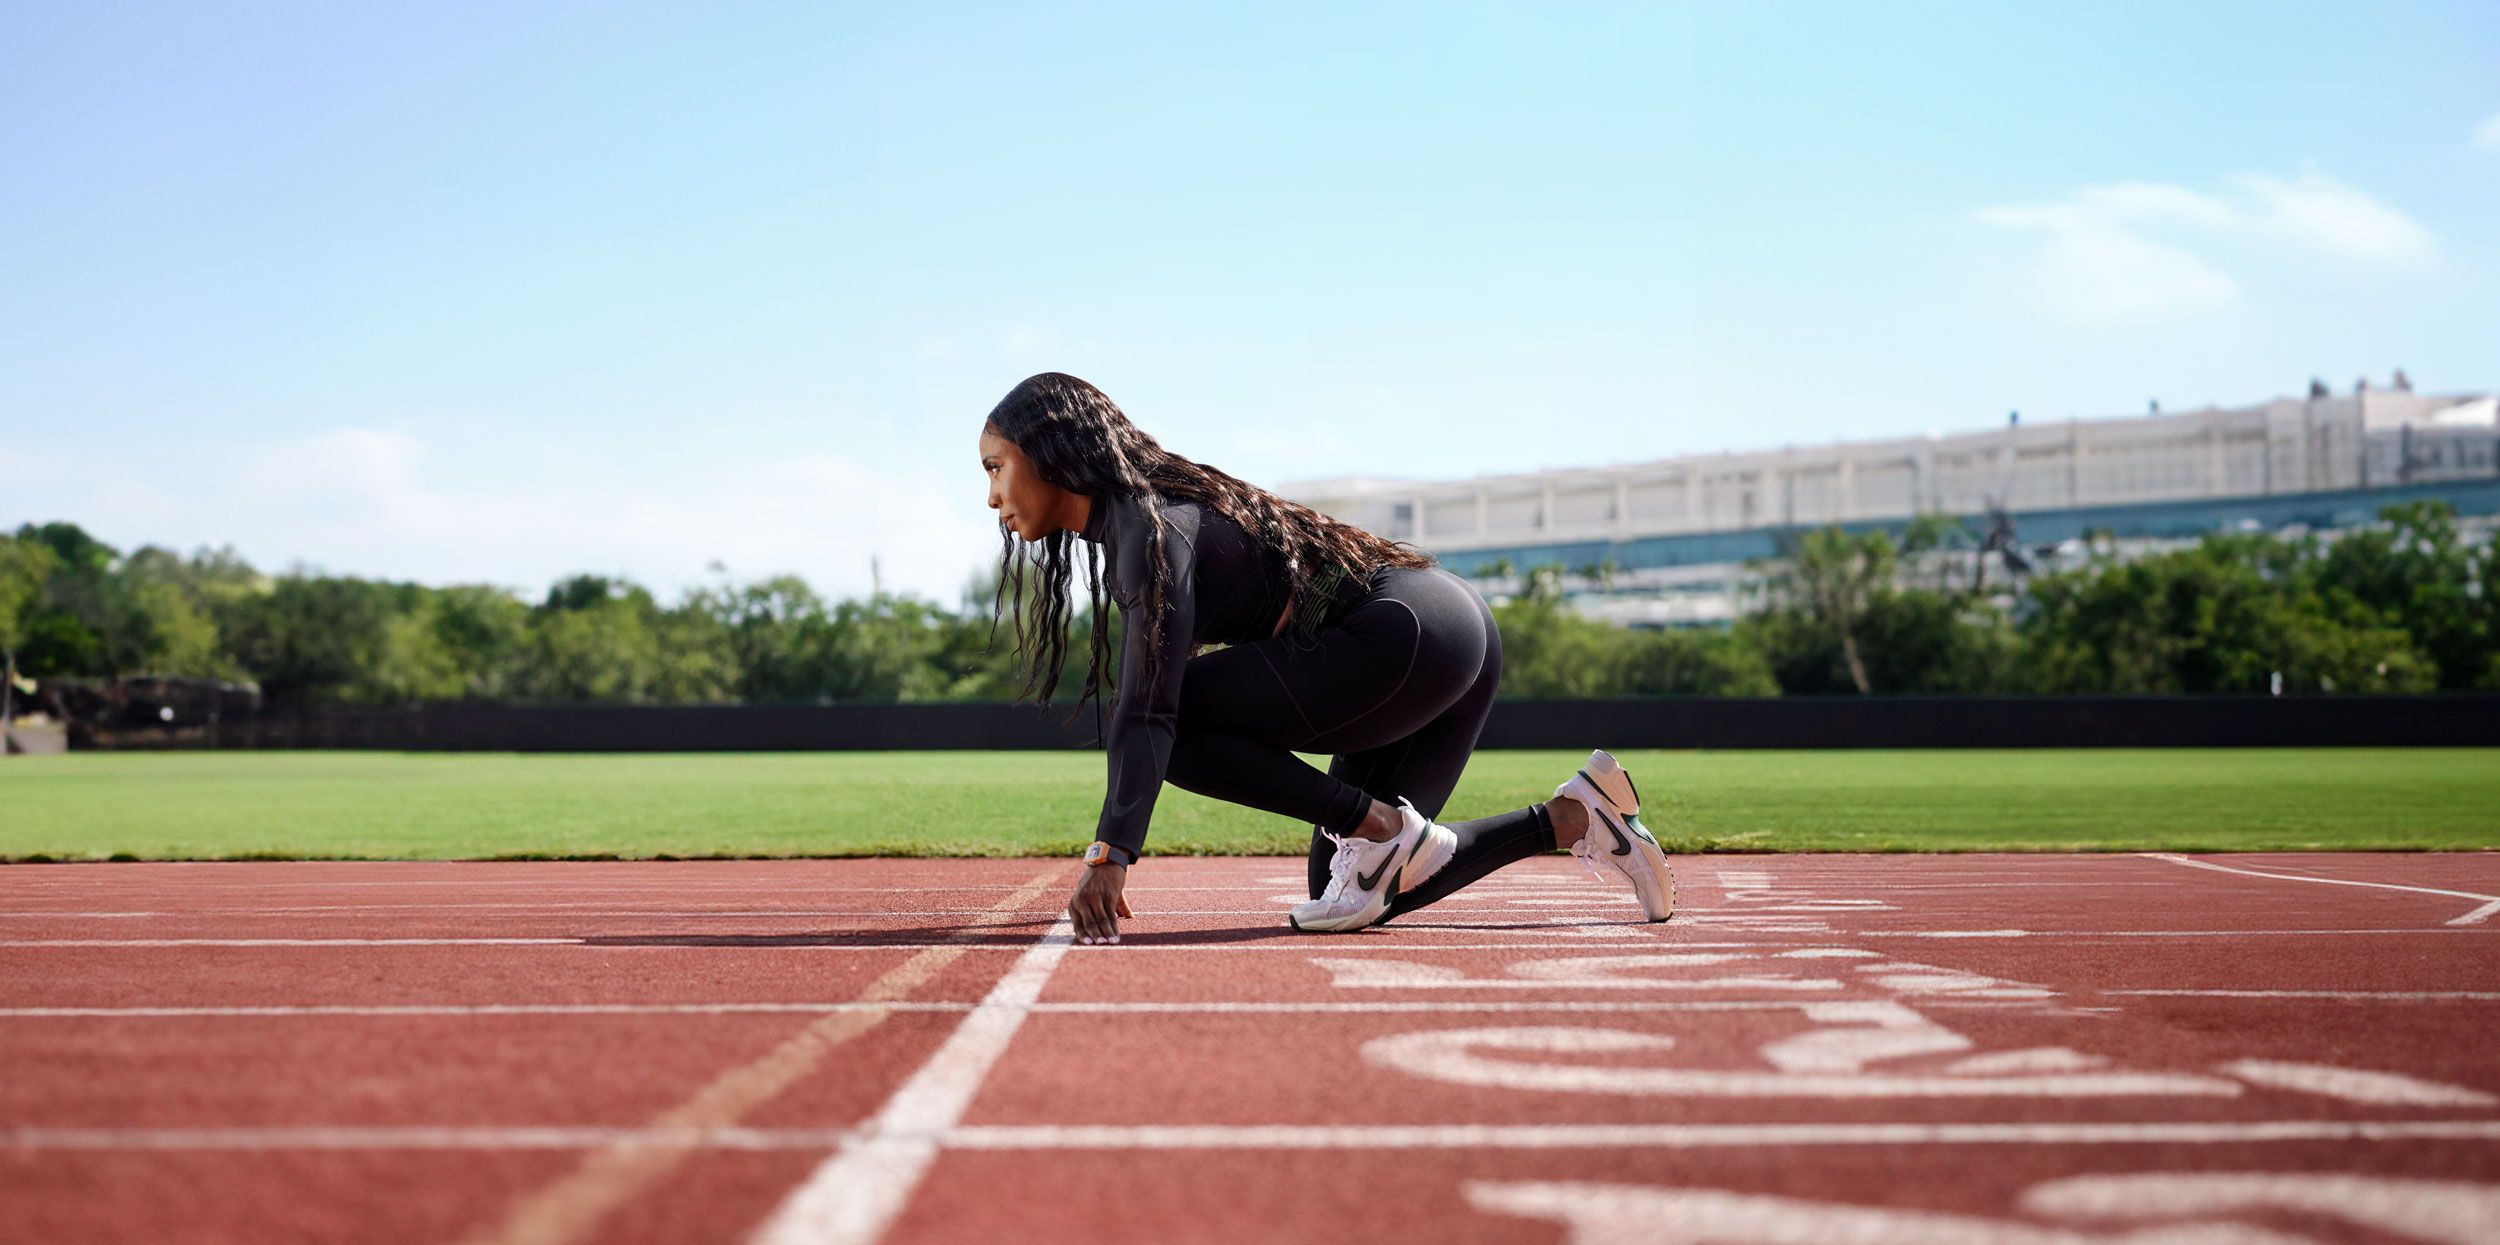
{"points": [[1889, 887], [419, 1137], [628, 894], [295, 942], [716, 1009], [2357, 996], [1687, 1136], [1249, 1137], [852, 1196], [862, 941], [576, 911], [2357, 1084], [577, 917], [2139, 933], [566, 874], [607, 908], [686, 941], [553, 913], [2490, 903], [476, 1009]]}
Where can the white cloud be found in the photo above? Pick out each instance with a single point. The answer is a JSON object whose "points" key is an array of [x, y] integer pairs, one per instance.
{"points": [[2328, 215], [2094, 267], [384, 503], [2122, 251], [2154, 202], [2487, 135], [2103, 272]]}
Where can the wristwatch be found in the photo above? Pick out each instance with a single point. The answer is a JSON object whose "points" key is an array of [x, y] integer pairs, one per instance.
{"points": [[1100, 853]]}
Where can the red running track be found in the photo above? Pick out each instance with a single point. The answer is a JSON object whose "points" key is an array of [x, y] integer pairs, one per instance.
{"points": [[1870, 1049]]}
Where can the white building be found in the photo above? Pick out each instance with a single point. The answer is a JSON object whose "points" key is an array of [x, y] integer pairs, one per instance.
{"points": [[1681, 529]]}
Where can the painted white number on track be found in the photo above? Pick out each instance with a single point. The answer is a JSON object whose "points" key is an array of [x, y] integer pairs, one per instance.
{"points": [[1800, 970], [1823, 1062], [2444, 1212], [1663, 971]]}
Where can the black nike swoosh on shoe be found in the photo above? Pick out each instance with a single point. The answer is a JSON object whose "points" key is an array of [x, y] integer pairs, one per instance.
{"points": [[1367, 883], [1623, 846]]}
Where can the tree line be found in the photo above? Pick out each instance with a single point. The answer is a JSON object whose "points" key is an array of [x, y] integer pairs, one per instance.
{"points": [[2405, 605]]}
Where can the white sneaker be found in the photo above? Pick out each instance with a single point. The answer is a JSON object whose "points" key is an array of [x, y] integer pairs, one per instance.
{"points": [[1364, 876], [1616, 836]]}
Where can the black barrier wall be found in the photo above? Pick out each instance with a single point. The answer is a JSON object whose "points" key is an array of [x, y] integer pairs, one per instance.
{"points": [[1665, 722]]}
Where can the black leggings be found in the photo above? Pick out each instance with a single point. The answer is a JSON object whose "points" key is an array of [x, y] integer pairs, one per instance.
{"points": [[1397, 686]]}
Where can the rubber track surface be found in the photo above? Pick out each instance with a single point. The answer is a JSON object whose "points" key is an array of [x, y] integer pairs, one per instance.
{"points": [[1872, 1049]]}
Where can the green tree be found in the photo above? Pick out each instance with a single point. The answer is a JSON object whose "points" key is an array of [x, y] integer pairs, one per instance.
{"points": [[24, 565], [81, 624], [1603, 572], [696, 666], [313, 638], [411, 664], [179, 635], [2412, 572], [2227, 615], [1695, 662], [602, 652], [2487, 611], [980, 657], [1547, 650], [1828, 581], [1498, 568], [766, 624], [601, 639], [884, 648], [484, 630], [1929, 543]]}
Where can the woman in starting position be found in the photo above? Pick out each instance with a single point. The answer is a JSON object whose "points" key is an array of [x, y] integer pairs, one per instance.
{"points": [[1337, 641]]}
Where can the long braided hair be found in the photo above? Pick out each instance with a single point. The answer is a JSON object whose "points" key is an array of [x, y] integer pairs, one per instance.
{"points": [[1081, 441]]}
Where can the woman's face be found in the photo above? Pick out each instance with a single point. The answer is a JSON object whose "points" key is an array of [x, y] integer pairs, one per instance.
{"points": [[1026, 503]]}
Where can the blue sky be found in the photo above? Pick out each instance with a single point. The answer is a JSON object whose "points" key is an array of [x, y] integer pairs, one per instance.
{"points": [[457, 294]]}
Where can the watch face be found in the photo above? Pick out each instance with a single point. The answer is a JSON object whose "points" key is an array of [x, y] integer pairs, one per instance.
{"points": [[1096, 853]]}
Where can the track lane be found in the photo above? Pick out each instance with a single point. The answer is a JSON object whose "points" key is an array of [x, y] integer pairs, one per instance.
{"points": [[1230, 1026]]}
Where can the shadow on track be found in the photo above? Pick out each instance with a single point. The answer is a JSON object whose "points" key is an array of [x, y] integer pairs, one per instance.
{"points": [[1007, 933]]}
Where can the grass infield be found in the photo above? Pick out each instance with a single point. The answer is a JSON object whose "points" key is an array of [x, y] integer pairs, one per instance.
{"points": [[437, 806]]}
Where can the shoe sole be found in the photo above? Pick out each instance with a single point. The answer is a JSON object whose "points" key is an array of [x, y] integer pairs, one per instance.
{"points": [[1419, 868]]}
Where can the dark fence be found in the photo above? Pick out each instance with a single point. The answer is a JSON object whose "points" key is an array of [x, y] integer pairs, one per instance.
{"points": [[1663, 722], [2000, 722]]}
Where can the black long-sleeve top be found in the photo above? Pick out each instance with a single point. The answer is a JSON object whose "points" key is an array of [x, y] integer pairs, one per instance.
{"points": [[1226, 588]]}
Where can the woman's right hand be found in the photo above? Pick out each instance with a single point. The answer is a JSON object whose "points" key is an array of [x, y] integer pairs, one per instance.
{"points": [[1099, 903]]}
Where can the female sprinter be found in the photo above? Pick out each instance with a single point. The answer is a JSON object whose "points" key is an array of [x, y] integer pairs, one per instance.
{"points": [[1336, 641]]}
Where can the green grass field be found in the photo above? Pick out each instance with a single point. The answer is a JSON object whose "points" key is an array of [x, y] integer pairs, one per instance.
{"points": [[367, 805]]}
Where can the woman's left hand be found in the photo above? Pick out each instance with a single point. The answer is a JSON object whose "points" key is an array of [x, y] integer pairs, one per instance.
{"points": [[1098, 903]]}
